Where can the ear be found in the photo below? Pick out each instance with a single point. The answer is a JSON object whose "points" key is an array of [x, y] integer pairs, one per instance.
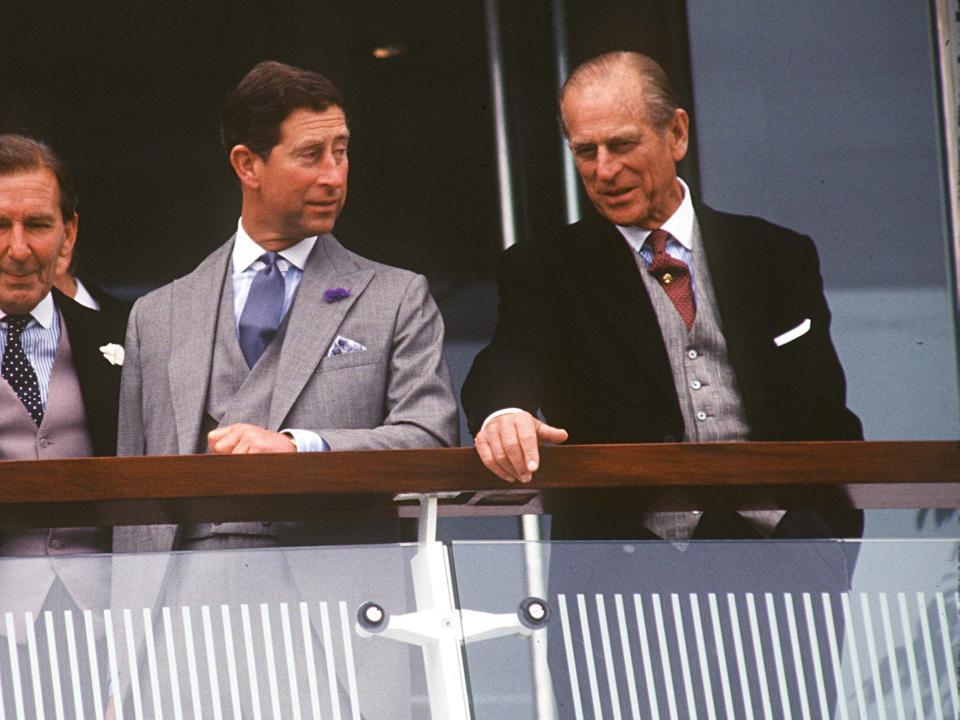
{"points": [[247, 165], [679, 134], [69, 236]]}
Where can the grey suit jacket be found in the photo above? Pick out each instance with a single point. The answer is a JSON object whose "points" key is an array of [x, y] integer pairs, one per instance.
{"points": [[396, 394]]}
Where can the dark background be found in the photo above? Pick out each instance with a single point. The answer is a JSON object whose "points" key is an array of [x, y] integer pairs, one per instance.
{"points": [[129, 93]]}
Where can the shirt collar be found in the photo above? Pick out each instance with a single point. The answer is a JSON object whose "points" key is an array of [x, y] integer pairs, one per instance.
{"points": [[679, 225], [43, 313], [246, 251]]}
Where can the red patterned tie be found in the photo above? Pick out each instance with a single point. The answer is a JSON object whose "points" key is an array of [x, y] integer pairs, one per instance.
{"points": [[673, 276]]}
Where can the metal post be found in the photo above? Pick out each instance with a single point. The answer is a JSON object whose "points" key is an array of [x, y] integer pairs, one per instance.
{"points": [[570, 194], [504, 181]]}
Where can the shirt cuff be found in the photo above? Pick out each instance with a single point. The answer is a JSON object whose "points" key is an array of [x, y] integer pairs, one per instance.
{"points": [[498, 413], [307, 440]]}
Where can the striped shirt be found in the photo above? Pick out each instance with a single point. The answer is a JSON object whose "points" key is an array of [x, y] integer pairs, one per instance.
{"points": [[40, 340]]}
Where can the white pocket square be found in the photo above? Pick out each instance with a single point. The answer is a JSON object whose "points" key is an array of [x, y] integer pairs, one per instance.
{"points": [[791, 335], [342, 345]]}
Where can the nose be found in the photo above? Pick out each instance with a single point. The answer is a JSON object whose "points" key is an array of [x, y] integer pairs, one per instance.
{"points": [[607, 164], [331, 171], [16, 245]]}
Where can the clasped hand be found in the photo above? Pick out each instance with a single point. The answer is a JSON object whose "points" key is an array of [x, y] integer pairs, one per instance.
{"points": [[241, 438]]}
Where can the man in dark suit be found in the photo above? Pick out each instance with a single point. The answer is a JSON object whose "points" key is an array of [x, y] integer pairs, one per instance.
{"points": [[656, 319], [60, 388]]}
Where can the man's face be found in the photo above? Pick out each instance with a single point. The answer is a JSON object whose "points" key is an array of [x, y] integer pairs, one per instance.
{"points": [[33, 236], [627, 166], [303, 181]]}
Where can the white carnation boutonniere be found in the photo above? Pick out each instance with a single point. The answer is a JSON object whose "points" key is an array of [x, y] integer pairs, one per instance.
{"points": [[113, 353]]}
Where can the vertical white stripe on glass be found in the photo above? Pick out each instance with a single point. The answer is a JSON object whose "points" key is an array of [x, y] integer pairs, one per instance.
{"points": [[894, 665], [928, 652], [34, 667], [741, 658], [211, 651], [152, 669], [588, 654], [721, 655], [684, 656], [835, 659], [112, 664], [271, 662], [132, 665], [702, 657], [171, 662], [74, 666], [758, 656], [54, 664], [911, 655], [311, 660], [778, 656], [348, 657], [608, 657], [94, 664], [571, 659], [947, 654], [797, 655], [191, 662], [645, 655], [854, 655], [872, 653], [815, 653], [629, 668], [664, 656], [15, 667], [328, 656], [291, 665], [231, 661], [251, 660]]}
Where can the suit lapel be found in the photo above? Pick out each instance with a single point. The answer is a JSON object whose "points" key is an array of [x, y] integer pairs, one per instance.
{"points": [[193, 324], [621, 299], [737, 268], [99, 380], [313, 322]]}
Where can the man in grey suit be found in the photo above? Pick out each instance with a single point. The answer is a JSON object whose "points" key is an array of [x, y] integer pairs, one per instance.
{"points": [[282, 340]]}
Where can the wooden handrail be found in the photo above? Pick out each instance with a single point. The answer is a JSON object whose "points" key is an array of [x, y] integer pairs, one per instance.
{"points": [[812, 475]]}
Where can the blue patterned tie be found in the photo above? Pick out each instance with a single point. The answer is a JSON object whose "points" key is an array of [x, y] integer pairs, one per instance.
{"points": [[263, 310], [17, 370]]}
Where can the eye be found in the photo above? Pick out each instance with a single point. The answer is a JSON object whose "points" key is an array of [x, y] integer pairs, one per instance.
{"points": [[622, 146], [585, 152], [39, 225]]}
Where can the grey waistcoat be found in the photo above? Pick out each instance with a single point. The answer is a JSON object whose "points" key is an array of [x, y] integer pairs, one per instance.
{"points": [[236, 394], [706, 384]]}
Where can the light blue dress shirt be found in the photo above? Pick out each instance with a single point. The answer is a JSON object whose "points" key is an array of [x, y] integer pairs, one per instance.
{"points": [[246, 264]]}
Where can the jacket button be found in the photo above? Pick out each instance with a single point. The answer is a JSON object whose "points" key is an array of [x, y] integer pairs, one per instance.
{"points": [[43, 442]]}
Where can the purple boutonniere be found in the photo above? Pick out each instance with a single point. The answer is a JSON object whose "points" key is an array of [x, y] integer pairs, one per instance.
{"points": [[334, 294]]}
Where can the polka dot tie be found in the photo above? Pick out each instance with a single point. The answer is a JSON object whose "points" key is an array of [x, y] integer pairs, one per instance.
{"points": [[673, 276], [17, 370]]}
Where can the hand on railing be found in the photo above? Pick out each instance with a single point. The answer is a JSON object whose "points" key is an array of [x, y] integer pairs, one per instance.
{"points": [[241, 438], [508, 444]]}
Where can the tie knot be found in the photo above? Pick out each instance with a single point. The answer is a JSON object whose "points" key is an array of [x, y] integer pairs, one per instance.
{"points": [[17, 323], [269, 259], [657, 240]]}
